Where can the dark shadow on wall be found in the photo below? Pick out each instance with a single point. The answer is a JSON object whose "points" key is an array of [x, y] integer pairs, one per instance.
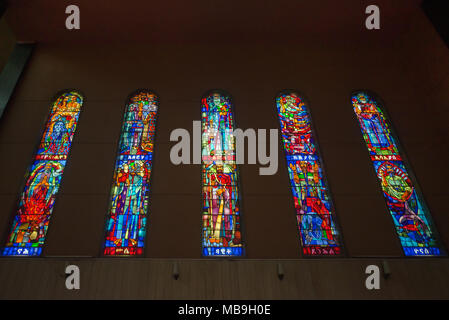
{"points": [[7, 39], [3, 4], [438, 11]]}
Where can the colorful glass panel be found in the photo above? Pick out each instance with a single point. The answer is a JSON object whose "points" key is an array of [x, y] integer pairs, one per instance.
{"points": [[406, 206], [314, 210], [221, 200], [36, 202], [127, 217]]}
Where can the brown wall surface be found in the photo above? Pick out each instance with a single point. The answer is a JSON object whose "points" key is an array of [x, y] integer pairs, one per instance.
{"points": [[405, 63], [209, 279]]}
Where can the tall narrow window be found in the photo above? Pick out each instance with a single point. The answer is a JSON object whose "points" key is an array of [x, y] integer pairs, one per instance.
{"points": [[127, 217], [407, 208], [36, 202], [221, 200], [314, 210]]}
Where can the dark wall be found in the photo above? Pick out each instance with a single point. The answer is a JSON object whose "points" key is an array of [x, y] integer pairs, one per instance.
{"points": [[6, 43], [410, 73], [177, 21], [436, 11]]}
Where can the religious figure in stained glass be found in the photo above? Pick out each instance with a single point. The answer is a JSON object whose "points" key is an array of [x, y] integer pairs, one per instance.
{"points": [[221, 208], [406, 206], [126, 224], [314, 210], [36, 203]]}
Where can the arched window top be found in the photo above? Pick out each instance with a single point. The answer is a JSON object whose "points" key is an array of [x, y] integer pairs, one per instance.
{"points": [[293, 109], [37, 200], [217, 101], [140, 106], [292, 102], [293, 97], [217, 93], [314, 210], [366, 107], [143, 96], [68, 100], [412, 220]]}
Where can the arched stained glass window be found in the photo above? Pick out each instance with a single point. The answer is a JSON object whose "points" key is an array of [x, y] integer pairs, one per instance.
{"points": [[36, 202], [314, 209], [127, 217], [411, 218], [221, 199]]}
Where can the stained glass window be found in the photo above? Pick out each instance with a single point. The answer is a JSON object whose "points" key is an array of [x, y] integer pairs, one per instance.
{"points": [[36, 202], [127, 217], [411, 218], [221, 200], [314, 209]]}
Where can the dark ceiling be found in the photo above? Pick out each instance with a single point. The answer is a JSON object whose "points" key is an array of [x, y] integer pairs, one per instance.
{"points": [[211, 21]]}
